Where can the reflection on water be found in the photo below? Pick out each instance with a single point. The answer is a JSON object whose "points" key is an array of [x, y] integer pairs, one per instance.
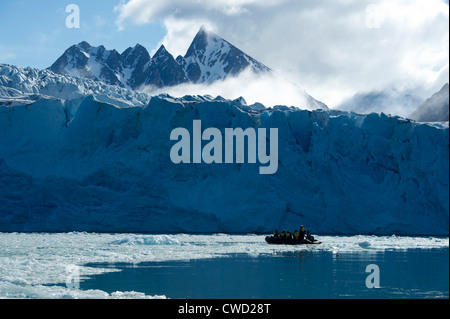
{"points": [[413, 273]]}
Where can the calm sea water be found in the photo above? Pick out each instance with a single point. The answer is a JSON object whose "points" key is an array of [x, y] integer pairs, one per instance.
{"points": [[410, 273]]}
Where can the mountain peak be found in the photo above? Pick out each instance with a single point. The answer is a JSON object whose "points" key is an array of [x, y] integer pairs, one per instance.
{"points": [[162, 49], [210, 58], [84, 45], [203, 32], [138, 48], [200, 42], [162, 53], [206, 31]]}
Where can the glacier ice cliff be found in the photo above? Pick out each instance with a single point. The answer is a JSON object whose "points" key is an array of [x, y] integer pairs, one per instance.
{"points": [[98, 161]]}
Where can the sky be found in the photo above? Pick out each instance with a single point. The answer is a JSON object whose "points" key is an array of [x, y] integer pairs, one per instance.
{"points": [[331, 48]]}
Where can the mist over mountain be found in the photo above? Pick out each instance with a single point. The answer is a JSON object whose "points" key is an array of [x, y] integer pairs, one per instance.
{"points": [[434, 109], [407, 103], [389, 101]]}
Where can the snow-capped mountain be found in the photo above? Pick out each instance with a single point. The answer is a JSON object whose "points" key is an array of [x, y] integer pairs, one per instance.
{"points": [[129, 69], [209, 58], [164, 71], [80, 155], [434, 109], [134, 62]]}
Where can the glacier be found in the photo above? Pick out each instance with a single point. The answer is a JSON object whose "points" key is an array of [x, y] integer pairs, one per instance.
{"points": [[80, 155]]}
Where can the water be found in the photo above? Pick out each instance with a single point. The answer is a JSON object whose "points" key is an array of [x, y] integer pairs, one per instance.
{"points": [[83, 265], [413, 273]]}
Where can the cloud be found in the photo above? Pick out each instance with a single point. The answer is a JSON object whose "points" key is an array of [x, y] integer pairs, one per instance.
{"points": [[267, 89], [146, 11], [180, 33], [333, 49]]}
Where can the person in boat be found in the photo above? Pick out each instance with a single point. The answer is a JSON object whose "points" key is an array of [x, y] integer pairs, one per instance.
{"points": [[309, 236], [283, 235], [275, 234], [288, 235], [296, 235], [302, 232]]}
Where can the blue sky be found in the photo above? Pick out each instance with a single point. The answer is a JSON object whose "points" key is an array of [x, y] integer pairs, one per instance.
{"points": [[331, 48]]}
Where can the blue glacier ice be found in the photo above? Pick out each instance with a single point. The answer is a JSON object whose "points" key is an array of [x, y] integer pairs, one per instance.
{"points": [[79, 155]]}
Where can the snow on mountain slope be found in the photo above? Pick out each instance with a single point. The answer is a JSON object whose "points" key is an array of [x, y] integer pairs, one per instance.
{"points": [[434, 109], [209, 58], [95, 63], [164, 71], [88, 164]]}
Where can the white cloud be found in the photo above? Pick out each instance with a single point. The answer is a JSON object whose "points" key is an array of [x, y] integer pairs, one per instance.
{"points": [[333, 49], [146, 11], [267, 89], [180, 33]]}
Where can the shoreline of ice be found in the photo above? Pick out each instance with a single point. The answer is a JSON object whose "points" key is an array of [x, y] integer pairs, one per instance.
{"points": [[33, 265]]}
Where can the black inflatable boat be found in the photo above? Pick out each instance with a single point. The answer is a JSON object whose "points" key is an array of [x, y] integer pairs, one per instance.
{"points": [[280, 241]]}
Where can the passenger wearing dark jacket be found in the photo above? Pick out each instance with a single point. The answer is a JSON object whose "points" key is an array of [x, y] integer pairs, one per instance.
{"points": [[302, 232], [309, 236]]}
